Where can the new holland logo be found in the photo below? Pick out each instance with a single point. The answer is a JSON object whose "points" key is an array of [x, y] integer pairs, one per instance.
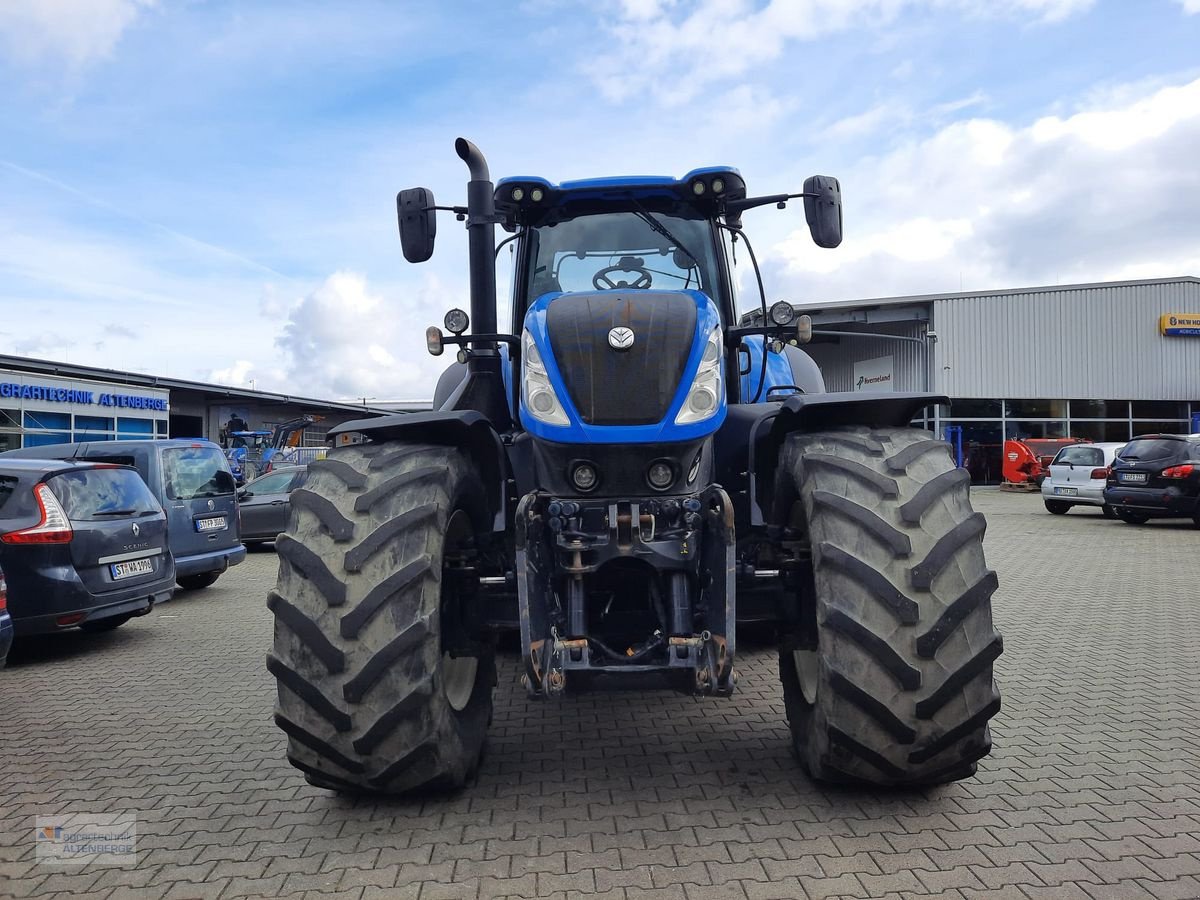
{"points": [[620, 338]]}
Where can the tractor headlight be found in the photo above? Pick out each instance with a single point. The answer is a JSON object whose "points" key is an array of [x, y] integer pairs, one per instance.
{"points": [[537, 393], [707, 392]]}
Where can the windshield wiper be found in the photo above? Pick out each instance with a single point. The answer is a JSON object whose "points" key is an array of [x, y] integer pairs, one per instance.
{"points": [[115, 512], [648, 217]]}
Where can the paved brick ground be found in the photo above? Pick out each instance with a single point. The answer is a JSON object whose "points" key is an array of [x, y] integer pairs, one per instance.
{"points": [[1090, 793]]}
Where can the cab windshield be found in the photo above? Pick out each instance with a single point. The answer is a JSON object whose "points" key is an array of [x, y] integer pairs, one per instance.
{"points": [[630, 250]]}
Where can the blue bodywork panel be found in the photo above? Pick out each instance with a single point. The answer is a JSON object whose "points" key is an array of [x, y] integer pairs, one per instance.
{"points": [[779, 372], [578, 432]]}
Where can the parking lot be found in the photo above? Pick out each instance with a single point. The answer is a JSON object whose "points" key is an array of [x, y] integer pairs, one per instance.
{"points": [[1091, 790]]}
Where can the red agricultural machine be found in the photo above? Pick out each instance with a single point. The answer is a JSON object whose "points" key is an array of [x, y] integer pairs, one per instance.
{"points": [[1027, 461]]}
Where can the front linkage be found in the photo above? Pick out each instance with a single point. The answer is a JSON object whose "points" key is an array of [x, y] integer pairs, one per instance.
{"points": [[689, 541]]}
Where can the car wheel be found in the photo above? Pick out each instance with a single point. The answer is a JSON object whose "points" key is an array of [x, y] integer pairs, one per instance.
{"points": [[102, 625], [1057, 507], [1109, 512], [1132, 518], [197, 582]]}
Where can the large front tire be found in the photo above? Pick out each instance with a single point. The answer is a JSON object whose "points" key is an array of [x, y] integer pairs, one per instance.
{"points": [[368, 696], [891, 683]]}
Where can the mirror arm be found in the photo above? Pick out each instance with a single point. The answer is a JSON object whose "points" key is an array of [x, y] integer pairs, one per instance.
{"points": [[737, 207]]}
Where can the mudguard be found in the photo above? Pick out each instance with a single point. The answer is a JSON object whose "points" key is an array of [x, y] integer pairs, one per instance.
{"points": [[747, 446], [465, 429]]}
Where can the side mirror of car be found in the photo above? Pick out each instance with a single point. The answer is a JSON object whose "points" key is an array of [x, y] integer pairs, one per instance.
{"points": [[243, 494]]}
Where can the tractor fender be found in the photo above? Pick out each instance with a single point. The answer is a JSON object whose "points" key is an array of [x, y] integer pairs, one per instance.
{"points": [[749, 443], [465, 429]]}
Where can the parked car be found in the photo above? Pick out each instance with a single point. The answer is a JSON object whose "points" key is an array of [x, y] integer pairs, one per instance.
{"points": [[192, 481], [6, 626], [1156, 476], [81, 545], [1077, 477], [266, 504]]}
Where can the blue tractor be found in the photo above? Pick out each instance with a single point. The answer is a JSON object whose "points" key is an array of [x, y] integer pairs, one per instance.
{"points": [[623, 476]]}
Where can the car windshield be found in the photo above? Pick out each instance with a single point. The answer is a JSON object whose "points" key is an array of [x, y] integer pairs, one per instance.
{"points": [[1079, 456], [102, 493], [623, 250], [191, 472], [1152, 448]]}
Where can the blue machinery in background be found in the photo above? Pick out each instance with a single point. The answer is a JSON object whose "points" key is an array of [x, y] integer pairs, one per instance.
{"points": [[954, 439]]}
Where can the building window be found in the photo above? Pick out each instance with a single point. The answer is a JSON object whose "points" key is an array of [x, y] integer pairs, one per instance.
{"points": [[133, 429], [1099, 409], [1096, 430], [93, 428], [970, 408], [48, 420], [160, 427], [1035, 409], [1159, 409], [41, 438], [1172, 427]]}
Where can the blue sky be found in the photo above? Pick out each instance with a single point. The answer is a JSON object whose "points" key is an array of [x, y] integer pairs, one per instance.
{"points": [[206, 189]]}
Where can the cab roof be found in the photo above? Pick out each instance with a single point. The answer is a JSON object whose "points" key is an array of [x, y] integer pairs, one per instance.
{"points": [[700, 193]]}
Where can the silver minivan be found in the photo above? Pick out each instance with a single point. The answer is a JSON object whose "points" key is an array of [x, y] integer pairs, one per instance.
{"points": [[192, 481], [1077, 477]]}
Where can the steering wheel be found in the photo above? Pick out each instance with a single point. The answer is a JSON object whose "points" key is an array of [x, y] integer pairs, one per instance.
{"points": [[602, 282]]}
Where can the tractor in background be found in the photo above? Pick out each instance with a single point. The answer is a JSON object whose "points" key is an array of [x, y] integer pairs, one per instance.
{"points": [[624, 473], [254, 453]]}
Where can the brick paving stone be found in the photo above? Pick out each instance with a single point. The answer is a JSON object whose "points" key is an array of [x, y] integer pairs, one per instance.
{"points": [[1089, 793]]}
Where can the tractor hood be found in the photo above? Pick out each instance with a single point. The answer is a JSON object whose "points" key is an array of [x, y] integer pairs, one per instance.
{"points": [[623, 365]]}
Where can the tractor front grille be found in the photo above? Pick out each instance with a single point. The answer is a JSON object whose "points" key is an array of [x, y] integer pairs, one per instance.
{"points": [[622, 387]]}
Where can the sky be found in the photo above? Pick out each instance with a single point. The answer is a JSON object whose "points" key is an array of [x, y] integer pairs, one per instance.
{"points": [[206, 190]]}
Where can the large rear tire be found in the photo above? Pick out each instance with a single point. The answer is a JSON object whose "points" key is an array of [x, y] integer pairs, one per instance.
{"points": [[893, 683], [368, 697]]}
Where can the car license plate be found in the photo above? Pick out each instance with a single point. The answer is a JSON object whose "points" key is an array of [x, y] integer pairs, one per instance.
{"points": [[1066, 492], [215, 523], [1133, 477], [131, 568]]}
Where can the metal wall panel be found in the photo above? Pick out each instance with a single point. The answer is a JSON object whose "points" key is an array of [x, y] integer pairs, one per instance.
{"points": [[1098, 342], [837, 359]]}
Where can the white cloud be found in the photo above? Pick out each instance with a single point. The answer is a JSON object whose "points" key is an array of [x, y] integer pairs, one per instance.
{"points": [[236, 375], [345, 340], [77, 32], [1190, 7], [1100, 194], [667, 47]]}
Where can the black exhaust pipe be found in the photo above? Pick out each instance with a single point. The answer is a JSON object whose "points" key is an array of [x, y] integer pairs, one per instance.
{"points": [[481, 234], [483, 389]]}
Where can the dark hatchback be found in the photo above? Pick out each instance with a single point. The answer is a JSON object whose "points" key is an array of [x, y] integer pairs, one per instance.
{"points": [[1156, 476], [81, 545], [265, 503], [6, 629]]}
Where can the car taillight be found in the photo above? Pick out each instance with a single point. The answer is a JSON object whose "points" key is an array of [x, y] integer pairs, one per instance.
{"points": [[54, 528], [3, 594], [1100, 473], [1179, 471]]}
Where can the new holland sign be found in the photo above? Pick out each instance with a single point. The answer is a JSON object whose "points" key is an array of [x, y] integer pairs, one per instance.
{"points": [[1179, 324]]}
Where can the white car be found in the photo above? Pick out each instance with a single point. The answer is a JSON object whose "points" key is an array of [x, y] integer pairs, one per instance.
{"points": [[1077, 477]]}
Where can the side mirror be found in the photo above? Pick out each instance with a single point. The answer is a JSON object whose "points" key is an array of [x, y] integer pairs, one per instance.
{"points": [[418, 223], [823, 210], [243, 494]]}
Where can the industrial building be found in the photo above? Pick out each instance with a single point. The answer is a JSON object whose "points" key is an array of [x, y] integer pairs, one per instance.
{"points": [[44, 402], [1103, 361]]}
